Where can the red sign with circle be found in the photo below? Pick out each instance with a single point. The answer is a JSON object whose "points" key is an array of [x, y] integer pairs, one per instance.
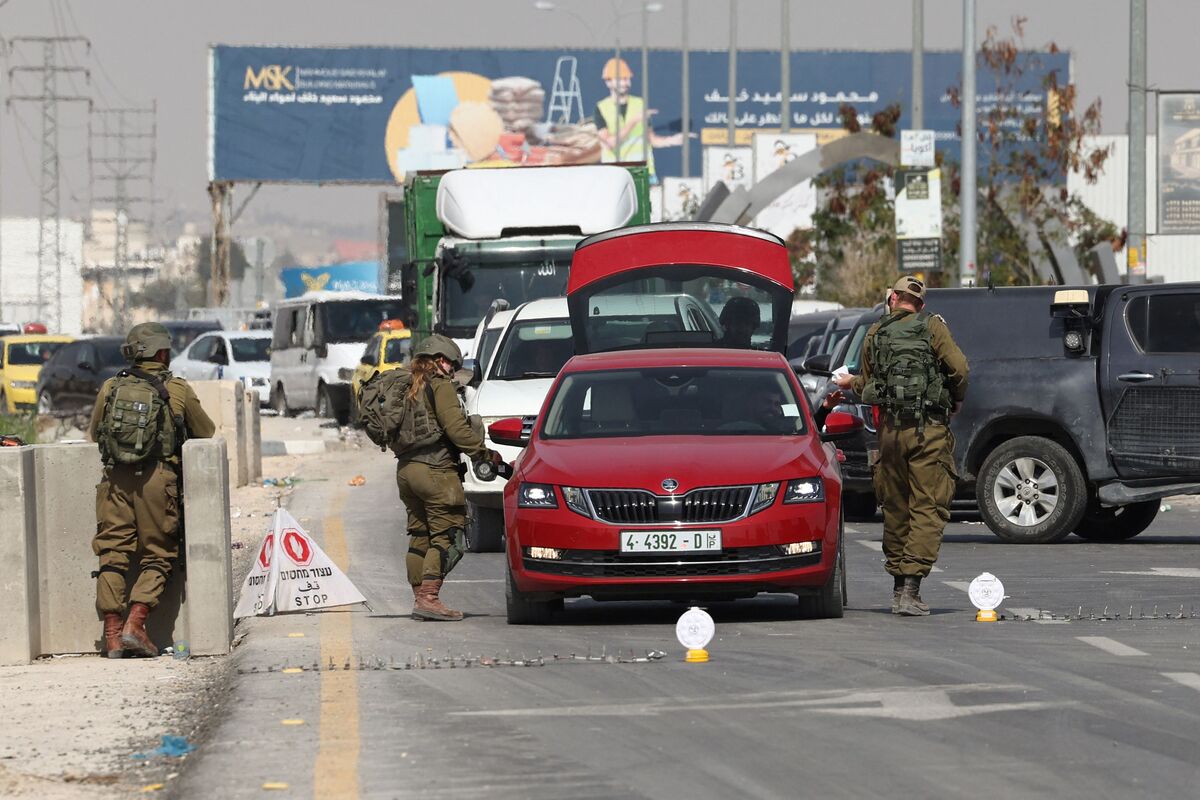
{"points": [[297, 547], [264, 555]]}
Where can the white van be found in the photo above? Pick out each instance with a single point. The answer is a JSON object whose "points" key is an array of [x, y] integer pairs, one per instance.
{"points": [[315, 336]]}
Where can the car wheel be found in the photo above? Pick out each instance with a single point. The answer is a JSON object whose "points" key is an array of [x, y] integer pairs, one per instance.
{"points": [[1116, 524], [45, 403], [324, 403], [523, 611], [485, 530], [859, 506], [353, 410], [279, 401], [1031, 491], [4, 403], [830, 601]]}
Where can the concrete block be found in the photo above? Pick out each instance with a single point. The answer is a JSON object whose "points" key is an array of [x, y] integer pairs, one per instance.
{"points": [[252, 428], [65, 478], [222, 402], [206, 619], [20, 636]]}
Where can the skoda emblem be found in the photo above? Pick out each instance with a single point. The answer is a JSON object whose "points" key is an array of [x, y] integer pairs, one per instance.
{"points": [[670, 485]]}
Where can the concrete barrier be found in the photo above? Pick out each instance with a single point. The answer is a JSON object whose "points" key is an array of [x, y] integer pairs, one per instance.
{"points": [[48, 496], [225, 402], [252, 434]]}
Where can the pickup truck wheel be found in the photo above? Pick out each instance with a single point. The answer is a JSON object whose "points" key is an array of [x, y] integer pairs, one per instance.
{"points": [[278, 401], [859, 506], [325, 408], [485, 530], [523, 611], [1118, 523], [1031, 491]]}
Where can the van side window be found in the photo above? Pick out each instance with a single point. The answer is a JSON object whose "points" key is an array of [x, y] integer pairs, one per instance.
{"points": [[297, 327], [1166, 323], [281, 336]]}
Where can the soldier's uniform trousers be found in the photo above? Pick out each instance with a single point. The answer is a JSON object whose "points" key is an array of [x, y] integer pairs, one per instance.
{"points": [[137, 522], [914, 481], [437, 511]]}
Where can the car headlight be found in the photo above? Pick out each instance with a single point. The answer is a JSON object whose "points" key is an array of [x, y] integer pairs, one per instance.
{"points": [[764, 496], [536, 495], [576, 501], [804, 490], [23, 384]]}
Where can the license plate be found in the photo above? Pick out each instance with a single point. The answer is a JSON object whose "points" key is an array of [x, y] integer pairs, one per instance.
{"points": [[670, 541]]}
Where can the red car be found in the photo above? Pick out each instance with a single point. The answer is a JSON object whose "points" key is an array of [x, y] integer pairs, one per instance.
{"points": [[676, 458]]}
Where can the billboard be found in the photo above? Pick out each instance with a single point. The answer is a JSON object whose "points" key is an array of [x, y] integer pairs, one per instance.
{"points": [[1179, 162], [372, 114], [352, 276]]}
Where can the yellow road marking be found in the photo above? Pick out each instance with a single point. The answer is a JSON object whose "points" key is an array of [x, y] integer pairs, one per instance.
{"points": [[295, 635], [292, 670], [291, 722], [275, 785], [152, 787], [335, 772]]}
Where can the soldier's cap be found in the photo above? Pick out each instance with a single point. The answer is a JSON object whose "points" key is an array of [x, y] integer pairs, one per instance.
{"points": [[438, 345], [910, 285], [144, 340]]}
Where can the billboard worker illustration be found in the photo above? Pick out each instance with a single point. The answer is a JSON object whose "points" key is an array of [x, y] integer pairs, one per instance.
{"points": [[627, 115]]}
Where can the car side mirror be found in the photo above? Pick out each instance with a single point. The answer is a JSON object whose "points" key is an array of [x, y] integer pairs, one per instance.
{"points": [[818, 365], [840, 425], [86, 366], [510, 431]]}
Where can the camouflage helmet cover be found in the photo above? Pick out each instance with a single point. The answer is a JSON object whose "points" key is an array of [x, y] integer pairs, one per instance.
{"points": [[144, 340], [438, 345]]}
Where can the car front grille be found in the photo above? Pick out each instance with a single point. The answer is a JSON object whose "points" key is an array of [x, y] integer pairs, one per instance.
{"points": [[639, 507], [607, 564]]}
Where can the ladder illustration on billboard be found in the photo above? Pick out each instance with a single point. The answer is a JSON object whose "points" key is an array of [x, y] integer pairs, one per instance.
{"points": [[566, 94]]}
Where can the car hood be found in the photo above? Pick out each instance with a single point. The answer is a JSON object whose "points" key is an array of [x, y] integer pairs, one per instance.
{"points": [[692, 461], [520, 398]]}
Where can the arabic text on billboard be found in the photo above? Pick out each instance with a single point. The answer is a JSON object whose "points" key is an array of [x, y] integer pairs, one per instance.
{"points": [[1179, 163]]}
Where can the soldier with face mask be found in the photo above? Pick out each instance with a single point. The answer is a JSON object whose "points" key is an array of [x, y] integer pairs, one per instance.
{"points": [[141, 419]]}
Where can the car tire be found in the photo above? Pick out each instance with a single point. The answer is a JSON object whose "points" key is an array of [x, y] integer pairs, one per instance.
{"points": [[1031, 491], [324, 405], [485, 530], [522, 610], [1116, 524], [859, 506], [830, 601], [278, 401], [4, 403], [45, 403]]}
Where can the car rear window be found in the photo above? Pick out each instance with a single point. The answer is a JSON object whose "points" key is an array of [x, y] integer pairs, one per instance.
{"points": [[674, 401], [29, 354], [248, 349]]}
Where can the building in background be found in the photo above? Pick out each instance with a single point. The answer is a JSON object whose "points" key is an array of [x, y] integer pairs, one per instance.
{"points": [[19, 273]]}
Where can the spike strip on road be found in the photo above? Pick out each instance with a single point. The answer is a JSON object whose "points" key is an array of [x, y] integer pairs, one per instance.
{"points": [[420, 661]]}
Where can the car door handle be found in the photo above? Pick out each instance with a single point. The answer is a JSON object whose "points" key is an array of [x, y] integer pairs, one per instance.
{"points": [[1135, 377]]}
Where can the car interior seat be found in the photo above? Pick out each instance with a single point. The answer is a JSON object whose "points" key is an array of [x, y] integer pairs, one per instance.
{"points": [[612, 409]]}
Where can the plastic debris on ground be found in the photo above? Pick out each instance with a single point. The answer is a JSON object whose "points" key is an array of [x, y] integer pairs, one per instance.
{"points": [[357, 480], [1165, 507], [172, 746]]}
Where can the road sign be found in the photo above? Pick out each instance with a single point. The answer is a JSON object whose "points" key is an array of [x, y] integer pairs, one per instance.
{"points": [[916, 148], [919, 220]]}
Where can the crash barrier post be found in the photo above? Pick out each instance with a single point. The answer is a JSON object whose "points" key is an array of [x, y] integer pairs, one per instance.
{"points": [[224, 402], [252, 434], [48, 493]]}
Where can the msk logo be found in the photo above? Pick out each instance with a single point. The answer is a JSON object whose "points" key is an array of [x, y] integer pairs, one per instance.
{"points": [[273, 77]]}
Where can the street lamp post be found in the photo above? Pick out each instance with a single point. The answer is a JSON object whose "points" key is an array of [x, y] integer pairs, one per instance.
{"points": [[686, 122], [647, 10], [732, 72], [785, 66]]}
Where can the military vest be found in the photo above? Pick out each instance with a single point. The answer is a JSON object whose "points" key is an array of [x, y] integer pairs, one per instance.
{"points": [[391, 419], [906, 379], [137, 424]]}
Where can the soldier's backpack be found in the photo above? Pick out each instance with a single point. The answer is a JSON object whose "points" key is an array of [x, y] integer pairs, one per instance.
{"points": [[390, 418], [136, 424], [906, 379]]}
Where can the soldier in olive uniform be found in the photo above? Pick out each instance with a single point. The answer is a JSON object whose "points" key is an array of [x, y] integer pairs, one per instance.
{"points": [[137, 504], [915, 475], [429, 479]]}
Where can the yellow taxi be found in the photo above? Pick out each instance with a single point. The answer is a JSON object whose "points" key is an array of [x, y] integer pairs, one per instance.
{"points": [[21, 359], [389, 348]]}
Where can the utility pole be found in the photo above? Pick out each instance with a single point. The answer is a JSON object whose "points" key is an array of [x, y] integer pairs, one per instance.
{"points": [[49, 249], [918, 64], [645, 82], [785, 65], [122, 154], [686, 122], [1136, 224], [966, 246], [732, 72]]}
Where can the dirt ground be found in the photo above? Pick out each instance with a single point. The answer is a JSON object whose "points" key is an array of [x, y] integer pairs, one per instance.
{"points": [[72, 724]]}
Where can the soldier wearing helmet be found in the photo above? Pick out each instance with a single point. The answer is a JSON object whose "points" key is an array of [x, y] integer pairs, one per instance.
{"points": [[430, 481], [137, 502], [623, 121], [739, 319]]}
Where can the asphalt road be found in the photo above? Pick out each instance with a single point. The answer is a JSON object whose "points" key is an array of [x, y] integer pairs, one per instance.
{"points": [[870, 705]]}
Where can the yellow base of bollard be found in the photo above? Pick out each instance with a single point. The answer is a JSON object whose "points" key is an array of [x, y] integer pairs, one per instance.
{"points": [[985, 616], [696, 656]]}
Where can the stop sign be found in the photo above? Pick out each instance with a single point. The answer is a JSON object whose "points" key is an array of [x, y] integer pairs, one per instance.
{"points": [[264, 555], [296, 547]]}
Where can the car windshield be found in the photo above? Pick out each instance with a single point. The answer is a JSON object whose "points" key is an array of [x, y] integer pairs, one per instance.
{"points": [[355, 320], [535, 348], [397, 351], [674, 401], [468, 293], [251, 349], [29, 354]]}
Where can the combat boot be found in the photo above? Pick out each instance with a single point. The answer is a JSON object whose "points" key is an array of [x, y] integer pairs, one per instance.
{"points": [[133, 636], [911, 604], [427, 605], [897, 590], [112, 635]]}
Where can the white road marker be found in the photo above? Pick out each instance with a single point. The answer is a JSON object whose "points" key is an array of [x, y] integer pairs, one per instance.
{"points": [[871, 544], [1188, 679], [1162, 572], [1111, 646]]}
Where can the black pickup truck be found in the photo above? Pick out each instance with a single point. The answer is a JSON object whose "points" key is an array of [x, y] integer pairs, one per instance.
{"points": [[1083, 409]]}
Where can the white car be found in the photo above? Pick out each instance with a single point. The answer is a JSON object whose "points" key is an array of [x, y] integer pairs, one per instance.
{"points": [[229, 355], [533, 344]]}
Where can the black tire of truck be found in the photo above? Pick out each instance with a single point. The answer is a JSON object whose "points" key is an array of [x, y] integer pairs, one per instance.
{"points": [[1116, 524], [1034, 474], [859, 506], [485, 530]]}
